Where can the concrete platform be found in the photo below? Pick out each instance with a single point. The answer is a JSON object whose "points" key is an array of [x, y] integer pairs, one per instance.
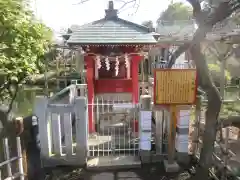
{"points": [[113, 162]]}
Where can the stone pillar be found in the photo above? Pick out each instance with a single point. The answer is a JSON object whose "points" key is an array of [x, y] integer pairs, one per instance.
{"points": [[79, 61], [182, 135], [145, 126], [40, 109], [159, 133], [81, 112], [90, 93], [80, 65]]}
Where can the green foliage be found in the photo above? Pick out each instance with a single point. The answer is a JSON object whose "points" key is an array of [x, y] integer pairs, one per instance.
{"points": [[216, 74], [24, 102], [23, 43], [148, 24], [176, 11]]}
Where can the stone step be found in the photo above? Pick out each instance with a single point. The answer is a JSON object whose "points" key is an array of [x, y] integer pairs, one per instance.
{"points": [[113, 162]]}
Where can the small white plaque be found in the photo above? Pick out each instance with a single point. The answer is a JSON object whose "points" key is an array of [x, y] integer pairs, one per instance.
{"points": [[145, 140], [146, 120], [184, 117]]}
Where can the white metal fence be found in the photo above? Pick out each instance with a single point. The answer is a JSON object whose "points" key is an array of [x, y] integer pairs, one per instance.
{"points": [[116, 128], [9, 161]]}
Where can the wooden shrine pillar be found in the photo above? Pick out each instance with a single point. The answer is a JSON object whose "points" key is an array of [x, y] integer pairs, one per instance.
{"points": [[90, 91], [135, 60]]}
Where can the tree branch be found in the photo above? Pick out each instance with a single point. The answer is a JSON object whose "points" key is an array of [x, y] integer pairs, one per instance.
{"points": [[224, 10], [135, 5], [125, 3], [4, 86], [81, 2], [229, 121], [183, 48], [205, 25], [221, 55], [196, 8]]}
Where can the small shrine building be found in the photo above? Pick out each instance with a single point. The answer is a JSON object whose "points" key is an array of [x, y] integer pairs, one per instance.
{"points": [[112, 49]]}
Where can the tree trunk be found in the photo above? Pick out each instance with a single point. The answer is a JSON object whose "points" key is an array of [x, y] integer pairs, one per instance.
{"points": [[206, 23], [214, 106]]}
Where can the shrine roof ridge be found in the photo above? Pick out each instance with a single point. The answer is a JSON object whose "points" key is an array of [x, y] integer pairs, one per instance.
{"points": [[111, 29], [114, 30]]}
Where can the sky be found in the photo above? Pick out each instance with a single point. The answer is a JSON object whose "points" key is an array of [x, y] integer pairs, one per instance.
{"points": [[59, 14]]}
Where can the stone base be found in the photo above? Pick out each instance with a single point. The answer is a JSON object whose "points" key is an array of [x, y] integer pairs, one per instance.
{"points": [[113, 163], [173, 167], [156, 158], [183, 158], [145, 156]]}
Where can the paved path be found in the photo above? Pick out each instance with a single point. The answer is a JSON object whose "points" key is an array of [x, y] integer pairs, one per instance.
{"points": [[131, 174], [153, 172]]}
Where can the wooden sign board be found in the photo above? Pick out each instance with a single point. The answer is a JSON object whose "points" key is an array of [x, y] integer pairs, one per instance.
{"points": [[175, 86]]}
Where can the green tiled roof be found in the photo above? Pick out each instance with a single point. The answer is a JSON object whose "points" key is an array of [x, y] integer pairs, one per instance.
{"points": [[111, 31]]}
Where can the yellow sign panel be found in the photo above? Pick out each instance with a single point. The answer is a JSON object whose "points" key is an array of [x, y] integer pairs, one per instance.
{"points": [[175, 86]]}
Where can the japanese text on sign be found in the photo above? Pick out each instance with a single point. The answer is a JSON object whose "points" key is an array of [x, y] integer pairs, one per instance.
{"points": [[174, 86]]}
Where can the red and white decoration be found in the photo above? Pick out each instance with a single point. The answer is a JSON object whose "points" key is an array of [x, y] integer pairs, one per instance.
{"points": [[126, 61], [106, 60], [117, 66], [107, 63], [98, 62]]}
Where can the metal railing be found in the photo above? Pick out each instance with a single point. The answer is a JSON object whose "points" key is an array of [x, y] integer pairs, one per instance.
{"points": [[11, 160]]}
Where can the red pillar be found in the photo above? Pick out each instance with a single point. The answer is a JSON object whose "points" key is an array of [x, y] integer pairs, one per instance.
{"points": [[135, 59], [90, 90]]}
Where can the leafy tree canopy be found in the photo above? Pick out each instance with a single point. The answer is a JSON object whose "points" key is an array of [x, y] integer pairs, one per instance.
{"points": [[176, 11], [23, 44]]}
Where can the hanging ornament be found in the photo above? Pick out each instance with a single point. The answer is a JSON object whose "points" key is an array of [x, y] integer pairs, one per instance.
{"points": [[117, 66], [98, 62], [126, 61], [107, 63]]}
